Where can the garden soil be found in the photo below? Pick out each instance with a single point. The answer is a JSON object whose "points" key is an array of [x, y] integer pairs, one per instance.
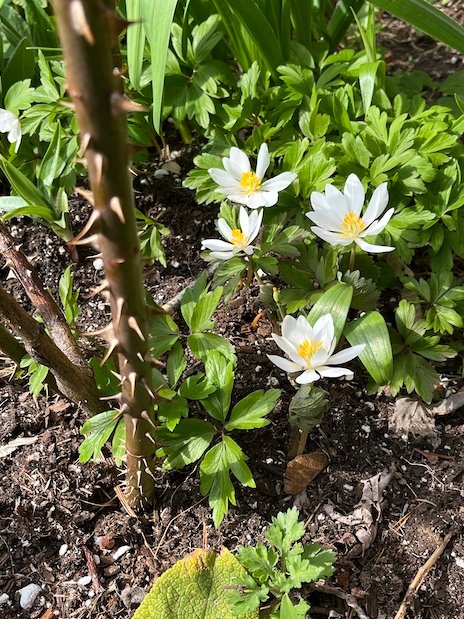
{"points": [[63, 528]]}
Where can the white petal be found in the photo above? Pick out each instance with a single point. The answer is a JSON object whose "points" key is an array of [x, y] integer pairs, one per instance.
{"points": [[279, 182], [334, 372], [222, 255], [262, 198], [239, 159], [377, 204], [373, 249], [7, 120], [14, 137], [288, 327], [354, 193], [256, 219], [346, 355], [324, 330], [288, 348], [217, 245], [308, 376], [284, 364], [238, 198], [328, 219], [303, 331], [263, 161], [225, 180], [336, 200], [320, 357], [232, 168], [318, 201], [244, 222], [248, 250], [224, 229], [377, 226], [334, 238]]}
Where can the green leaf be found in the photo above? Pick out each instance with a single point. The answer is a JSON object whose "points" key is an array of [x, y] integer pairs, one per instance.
{"points": [[424, 16], [170, 413], [192, 295], [135, 42], [68, 296], [285, 530], [53, 161], [157, 16], [97, 431], [176, 364], [37, 379], [204, 309], [24, 188], [220, 373], [202, 344], [196, 387], [307, 407], [289, 611], [185, 444], [335, 301], [196, 586], [118, 444], [259, 561], [163, 334], [371, 330], [249, 413]]}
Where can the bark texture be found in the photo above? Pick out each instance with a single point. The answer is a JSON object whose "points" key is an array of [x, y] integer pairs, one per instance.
{"points": [[88, 32]]}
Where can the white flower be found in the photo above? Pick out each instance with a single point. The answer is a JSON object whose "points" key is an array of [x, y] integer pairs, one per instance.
{"points": [[10, 124], [310, 349], [240, 184], [237, 239], [338, 217]]}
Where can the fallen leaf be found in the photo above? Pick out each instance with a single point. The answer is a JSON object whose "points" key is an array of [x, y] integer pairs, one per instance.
{"points": [[48, 614], [302, 470], [362, 520], [9, 448], [59, 406], [414, 417]]}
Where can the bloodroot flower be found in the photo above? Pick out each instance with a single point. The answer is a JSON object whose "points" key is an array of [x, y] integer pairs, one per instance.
{"points": [[10, 124], [338, 216], [241, 185], [237, 239], [310, 349]]}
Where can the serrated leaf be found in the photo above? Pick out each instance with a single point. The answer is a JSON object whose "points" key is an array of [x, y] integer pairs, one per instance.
{"points": [[176, 364], [186, 443], [195, 587], [285, 530], [289, 611], [196, 387], [97, 431], [202, 344], [204, 309]]}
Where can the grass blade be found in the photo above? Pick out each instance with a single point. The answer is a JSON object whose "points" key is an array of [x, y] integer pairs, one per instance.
{"points": [[341, 20], [425, 17], [135, 42]]}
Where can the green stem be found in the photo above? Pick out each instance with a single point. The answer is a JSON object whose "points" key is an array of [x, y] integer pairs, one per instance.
{"points": [[352, 257]]}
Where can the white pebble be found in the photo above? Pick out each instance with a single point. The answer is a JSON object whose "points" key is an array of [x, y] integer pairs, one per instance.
{"points": [[460, 562], [84, 581], [63, 550], [98, 264], [28, 595], [120, 551], [367, 429], [4, 597], [348, 488], [175, 264], [258, 368]]}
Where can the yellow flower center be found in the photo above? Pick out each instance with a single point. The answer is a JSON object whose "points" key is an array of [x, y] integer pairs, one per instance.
{"points": [[352, 225], [307, 348], [250, 182], [238, 238]]}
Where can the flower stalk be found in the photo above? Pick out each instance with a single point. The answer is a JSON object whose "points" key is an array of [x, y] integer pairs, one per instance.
{"points": [[86, 30]]}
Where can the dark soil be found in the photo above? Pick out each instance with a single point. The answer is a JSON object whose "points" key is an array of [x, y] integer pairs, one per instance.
{"points": [[56, 513]]}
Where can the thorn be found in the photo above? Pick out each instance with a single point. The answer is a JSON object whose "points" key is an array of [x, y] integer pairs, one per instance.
{"points": [[120, 104], [150, 438], [116, 375], [89, 240], [134, 325], [115, 206], [107, 332], [134, 426], [95, 216], [139, 478], [116, 396], [68, 105], [156, 362], [85, 141], [149, 472], [115, 23], [149, 391], [111, 348], [125, 409], [87, 195], [79, 21], [99, 289], [145, 415], [140, 357], [119, 307], [98, 163]]}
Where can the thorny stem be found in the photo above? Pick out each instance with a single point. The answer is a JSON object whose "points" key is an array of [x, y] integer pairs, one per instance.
{"points": [[88, 31], [69, 378]]}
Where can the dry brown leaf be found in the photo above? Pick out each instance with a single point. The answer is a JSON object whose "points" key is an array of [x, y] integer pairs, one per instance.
{"points": [[48, 614], [59, 406], [9, 448], [362, 519], [415, 417], [302, 470]]}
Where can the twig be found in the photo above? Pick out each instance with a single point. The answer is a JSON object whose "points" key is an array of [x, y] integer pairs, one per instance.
{"points": [[91, 566], [173, 304], [422, 573], [349, 599]]}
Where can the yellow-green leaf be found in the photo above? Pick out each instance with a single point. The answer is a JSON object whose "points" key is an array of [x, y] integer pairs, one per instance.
{"points": [[195, 588]]}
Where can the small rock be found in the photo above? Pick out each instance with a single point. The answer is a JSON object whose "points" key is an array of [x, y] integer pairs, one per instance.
{"points": [[28, 595], [98, 264], [132, 596], [120, 552], [160, 173], [63, 550], [106, 542], [4, 598], [171, 166], [84, 581], [459, 563]]}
